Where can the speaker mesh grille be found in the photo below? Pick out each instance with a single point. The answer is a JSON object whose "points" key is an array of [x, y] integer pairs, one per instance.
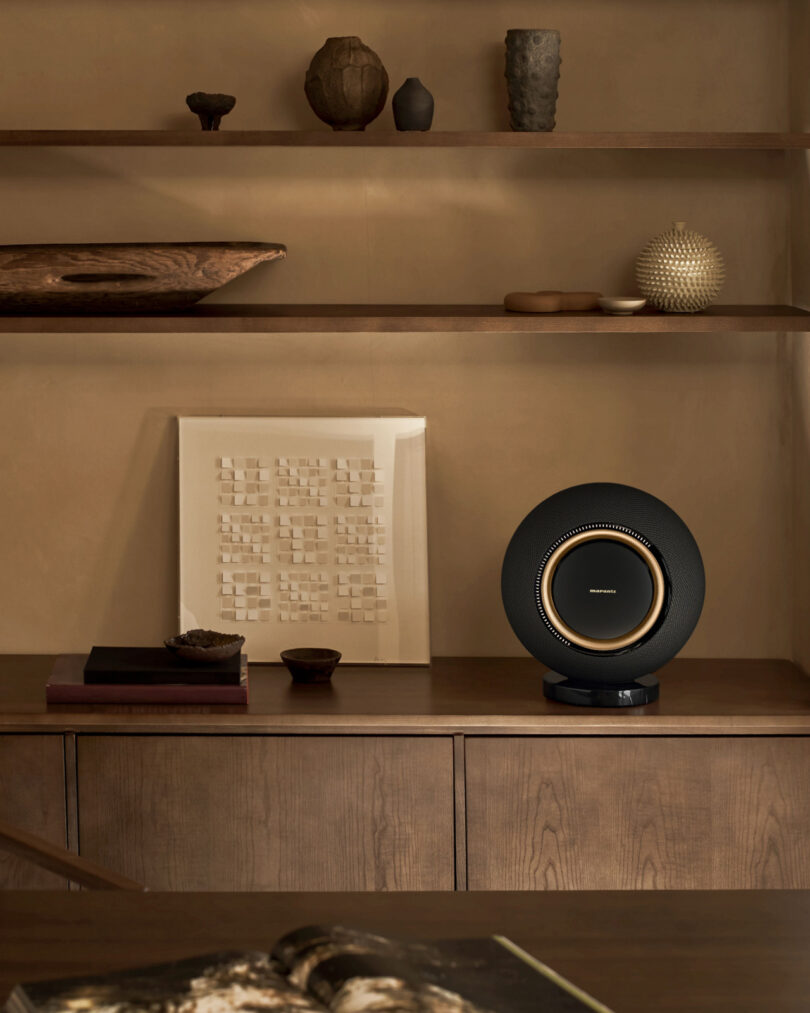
{"points": [[623, 508]]}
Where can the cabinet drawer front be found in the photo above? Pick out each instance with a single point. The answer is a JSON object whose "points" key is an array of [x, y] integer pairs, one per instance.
{"points": [[638, 813], [32, 797], [269, 813]]}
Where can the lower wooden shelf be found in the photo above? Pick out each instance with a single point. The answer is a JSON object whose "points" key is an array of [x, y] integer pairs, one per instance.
{"points": [[346, 318]]}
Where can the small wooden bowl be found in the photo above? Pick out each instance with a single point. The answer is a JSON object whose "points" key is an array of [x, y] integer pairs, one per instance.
{"points": [[311, 664], [551, 302], [225, 646]]}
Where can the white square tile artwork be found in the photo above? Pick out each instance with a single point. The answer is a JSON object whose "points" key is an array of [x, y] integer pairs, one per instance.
{"points": [[306, 532]]}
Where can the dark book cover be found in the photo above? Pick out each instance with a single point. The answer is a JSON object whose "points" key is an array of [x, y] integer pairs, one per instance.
{"points": [[316, 969], [147, 665], [66, 685]]}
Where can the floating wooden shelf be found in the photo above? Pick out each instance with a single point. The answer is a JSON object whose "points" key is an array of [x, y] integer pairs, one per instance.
{"points": [[301, 318], [692, 140], [473, 696]]}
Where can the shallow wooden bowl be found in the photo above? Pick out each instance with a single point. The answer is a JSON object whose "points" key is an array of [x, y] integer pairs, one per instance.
{"points": [[551, 302], [121, 277]]}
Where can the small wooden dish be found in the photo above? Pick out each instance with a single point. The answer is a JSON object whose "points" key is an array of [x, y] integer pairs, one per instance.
{"points": [[311, 664], [551, 302]]}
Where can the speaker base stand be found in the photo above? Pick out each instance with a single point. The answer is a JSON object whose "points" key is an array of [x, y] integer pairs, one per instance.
{"points": [[640, 691]]}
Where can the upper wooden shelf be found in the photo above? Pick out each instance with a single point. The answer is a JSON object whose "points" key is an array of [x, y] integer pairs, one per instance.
{"points": [[474, 696], [665, 140], [368, 318]]}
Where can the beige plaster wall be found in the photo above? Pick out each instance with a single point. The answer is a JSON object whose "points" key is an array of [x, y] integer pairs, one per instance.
{"points": [[628, 64], [87, 440]]}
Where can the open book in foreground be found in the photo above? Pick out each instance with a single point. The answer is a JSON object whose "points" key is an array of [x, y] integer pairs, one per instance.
{"points": [[315, 969]]}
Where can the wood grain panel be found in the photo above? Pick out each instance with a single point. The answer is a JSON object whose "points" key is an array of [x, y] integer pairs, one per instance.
{"points": [[314, 813], [460, 811], [32, 797], [633, 813]]}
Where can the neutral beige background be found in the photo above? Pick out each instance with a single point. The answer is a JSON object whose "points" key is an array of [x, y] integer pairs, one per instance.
{"points": [[88, 448]]}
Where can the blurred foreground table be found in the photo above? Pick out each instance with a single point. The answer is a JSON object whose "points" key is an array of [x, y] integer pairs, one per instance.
{"points": [[637, 952]]}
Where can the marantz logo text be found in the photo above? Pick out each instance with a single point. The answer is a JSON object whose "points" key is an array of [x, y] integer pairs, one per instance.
{"points": [[602, 590]]}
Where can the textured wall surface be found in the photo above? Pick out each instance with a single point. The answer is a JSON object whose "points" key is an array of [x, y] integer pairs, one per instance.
{"points": [[87, 438]]}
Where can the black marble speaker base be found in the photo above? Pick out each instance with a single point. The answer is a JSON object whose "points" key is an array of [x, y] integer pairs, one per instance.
{"points": [[635, 694]]}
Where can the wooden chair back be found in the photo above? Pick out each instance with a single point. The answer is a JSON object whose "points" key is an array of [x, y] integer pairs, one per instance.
{"points": [[61, 861]]}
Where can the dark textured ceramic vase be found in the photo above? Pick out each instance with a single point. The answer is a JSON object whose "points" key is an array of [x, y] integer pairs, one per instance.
{"points": [[532, 73], [413, 106], [346, 84]]}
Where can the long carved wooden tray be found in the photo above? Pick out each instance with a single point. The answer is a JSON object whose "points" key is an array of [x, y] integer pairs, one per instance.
{"points": [[121, 277]]}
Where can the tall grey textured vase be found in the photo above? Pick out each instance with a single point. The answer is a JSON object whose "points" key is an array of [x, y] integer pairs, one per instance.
{"points": [[532, 73]]}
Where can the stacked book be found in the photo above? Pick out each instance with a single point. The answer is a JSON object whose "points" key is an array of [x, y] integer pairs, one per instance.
{"points": [[145, 675]]}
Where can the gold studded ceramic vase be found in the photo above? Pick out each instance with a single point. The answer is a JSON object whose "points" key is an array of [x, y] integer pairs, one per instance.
{"points": [[680, 271]]}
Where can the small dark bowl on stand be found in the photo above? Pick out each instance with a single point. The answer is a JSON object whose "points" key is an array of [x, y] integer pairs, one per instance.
{"points": [[311, 664]]}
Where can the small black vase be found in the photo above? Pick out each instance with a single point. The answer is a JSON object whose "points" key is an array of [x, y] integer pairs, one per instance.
{"points": [[413, 106]]}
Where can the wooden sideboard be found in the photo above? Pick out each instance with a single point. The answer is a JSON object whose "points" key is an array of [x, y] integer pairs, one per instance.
{"points": [[457, 776]]}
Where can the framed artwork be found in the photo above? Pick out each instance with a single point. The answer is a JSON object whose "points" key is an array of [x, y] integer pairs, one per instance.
{"points": [[306, 532]]}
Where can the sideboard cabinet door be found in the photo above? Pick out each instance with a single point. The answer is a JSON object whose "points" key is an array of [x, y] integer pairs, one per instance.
{"points": [[269, 813], [638, 813], [32, 797]]}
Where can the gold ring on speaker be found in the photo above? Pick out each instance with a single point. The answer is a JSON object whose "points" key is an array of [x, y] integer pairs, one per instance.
{"points": [[615, 643]]}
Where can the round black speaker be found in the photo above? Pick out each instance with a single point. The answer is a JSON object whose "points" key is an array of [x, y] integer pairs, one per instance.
{"points": [[604, 584]]}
